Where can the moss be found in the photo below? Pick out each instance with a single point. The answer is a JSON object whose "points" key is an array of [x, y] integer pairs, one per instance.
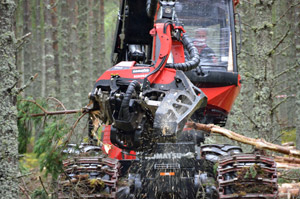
{"points": [[289, 136]]}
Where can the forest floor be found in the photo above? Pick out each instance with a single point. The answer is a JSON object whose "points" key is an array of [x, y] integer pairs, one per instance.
{"points": [[33, 179]]}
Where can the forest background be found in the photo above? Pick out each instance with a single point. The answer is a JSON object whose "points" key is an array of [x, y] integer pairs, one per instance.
{"points": [[68, 44]]}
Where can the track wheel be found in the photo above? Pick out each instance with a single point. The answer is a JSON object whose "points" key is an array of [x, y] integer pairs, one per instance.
{"points": [[247, 176], [213, 152]]}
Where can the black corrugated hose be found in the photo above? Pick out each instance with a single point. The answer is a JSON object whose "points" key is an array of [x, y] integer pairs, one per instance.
{"points": [[194, 57], [124, 110]]}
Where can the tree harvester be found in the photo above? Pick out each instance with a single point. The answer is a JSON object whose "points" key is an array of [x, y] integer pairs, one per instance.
{"points": [[160, 80]]}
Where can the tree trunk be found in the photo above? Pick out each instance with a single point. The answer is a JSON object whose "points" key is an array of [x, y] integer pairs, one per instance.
{"points": [[96, 67], [27, 48], [19, 33], [297, 55], [102, 37], [49, 55], [8, 113], [65, 53], [83, 52], [55, 46]]}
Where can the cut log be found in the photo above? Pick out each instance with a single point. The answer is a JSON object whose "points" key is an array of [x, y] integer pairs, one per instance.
{"points": [[289, 190], [258, 143]]}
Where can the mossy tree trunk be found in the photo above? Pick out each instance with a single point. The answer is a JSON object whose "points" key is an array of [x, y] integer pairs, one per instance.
{"points": [[297, 55], [8, 116], [268, 69]]}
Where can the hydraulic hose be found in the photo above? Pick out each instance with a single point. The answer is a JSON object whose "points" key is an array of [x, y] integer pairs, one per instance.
{"points": [[194, 54], [124, 110], [151, 7]]}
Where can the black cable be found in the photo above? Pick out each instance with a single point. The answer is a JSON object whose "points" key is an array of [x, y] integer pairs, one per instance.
{"points": [[124, 109], [195, 57]]}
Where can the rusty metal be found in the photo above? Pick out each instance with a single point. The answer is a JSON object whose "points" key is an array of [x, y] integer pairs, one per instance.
{"points": [[247, 176]]}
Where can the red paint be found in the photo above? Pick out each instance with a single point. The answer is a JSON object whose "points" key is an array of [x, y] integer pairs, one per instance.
{"points": [[178, 52], [222, 97], [114, 152]]}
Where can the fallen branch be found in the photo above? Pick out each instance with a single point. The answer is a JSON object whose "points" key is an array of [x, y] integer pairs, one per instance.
{"points": [[287, 159], [288, 190], [43, 185], [258, 143], [287, 166], [24, 191]]}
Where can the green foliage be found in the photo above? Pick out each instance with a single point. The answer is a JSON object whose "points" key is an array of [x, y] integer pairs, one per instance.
{"points": [[46, 147], [27, 124], [49, 132], [289, 136], [39, 194]]}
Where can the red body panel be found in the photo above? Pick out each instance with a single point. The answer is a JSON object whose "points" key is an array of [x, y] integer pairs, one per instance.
{"points": [[221, 97], [114, 152]]}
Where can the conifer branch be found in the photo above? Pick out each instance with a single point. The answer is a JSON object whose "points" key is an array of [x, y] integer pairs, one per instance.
{"points": [[38, 105]]}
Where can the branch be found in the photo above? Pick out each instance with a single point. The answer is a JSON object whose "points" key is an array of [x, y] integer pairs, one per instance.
{"points": [[278, 44], [279, 103], [250, 119], [24, 191], [285, 71], [32, 101], [59, 102], [258, 143], [287, 11], [72, 129], [66, 112], [71, 183], [43, 185], [31, 79], [21, 41], [68, 136], [289, 190], [287, 159], [283, 50]]}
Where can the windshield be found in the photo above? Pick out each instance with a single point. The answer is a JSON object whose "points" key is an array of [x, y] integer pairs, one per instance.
{"points": [[207, 24]]}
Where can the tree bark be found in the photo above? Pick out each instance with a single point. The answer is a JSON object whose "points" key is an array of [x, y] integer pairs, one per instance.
{"points": [[8, 114], [85, 83], [297, 55], [49, 55], [27, 49], [55, 45], [102, 37]]}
